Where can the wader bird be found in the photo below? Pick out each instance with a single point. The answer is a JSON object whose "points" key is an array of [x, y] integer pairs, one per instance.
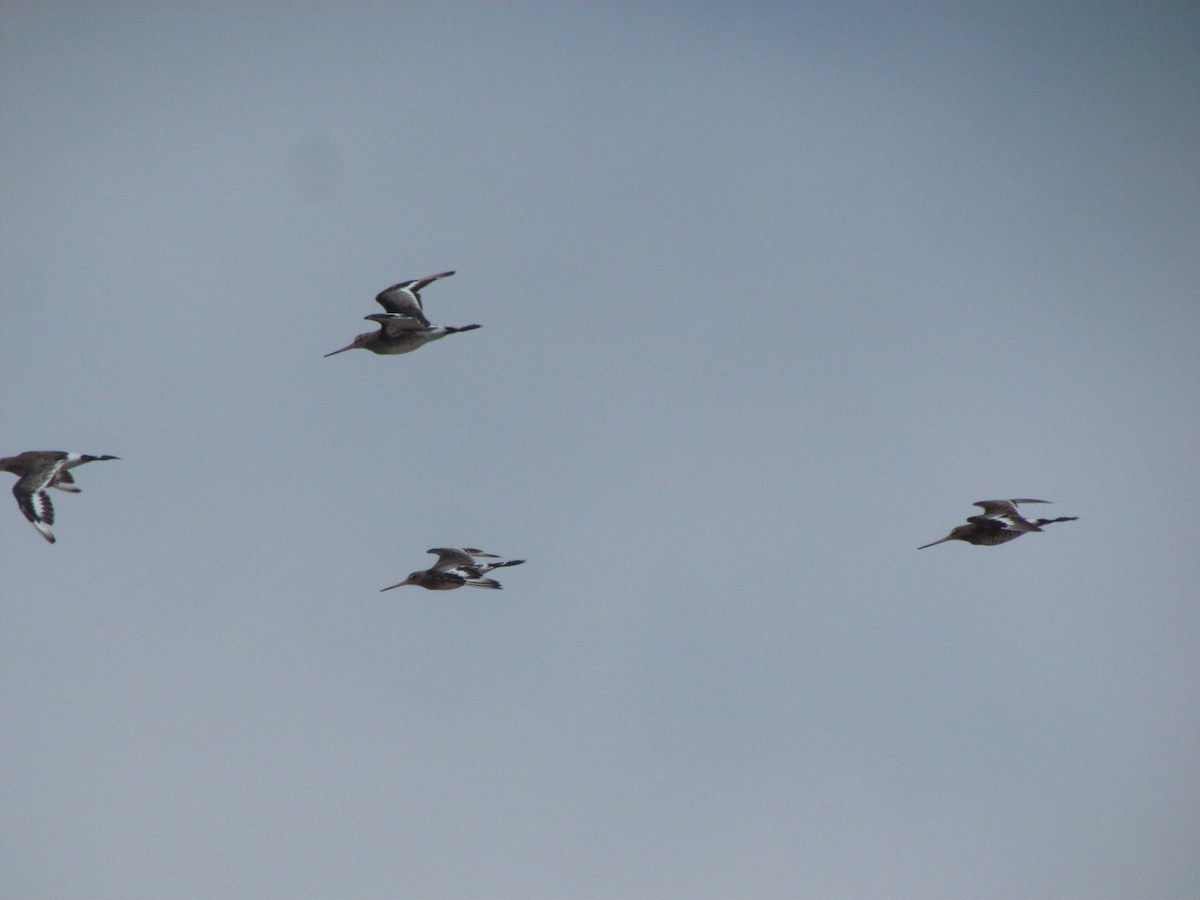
{"points": [[39, 470], [403, 326], [999, 524], [399, 334], [456, 568]]}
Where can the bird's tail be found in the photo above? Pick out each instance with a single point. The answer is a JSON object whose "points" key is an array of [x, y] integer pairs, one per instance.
{"points": [[1040, 522], [501, 565]]}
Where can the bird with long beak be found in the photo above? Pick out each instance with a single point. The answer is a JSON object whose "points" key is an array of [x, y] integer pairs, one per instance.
{"points": [[456, 568], [403, 326], [399, 334], [999, 524], [38, 470]]}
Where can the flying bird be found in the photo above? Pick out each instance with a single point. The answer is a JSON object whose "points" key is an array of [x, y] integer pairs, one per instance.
{"points": [[403, 326], [399, 334], [37, 471], [999, 524], [454, 568]]}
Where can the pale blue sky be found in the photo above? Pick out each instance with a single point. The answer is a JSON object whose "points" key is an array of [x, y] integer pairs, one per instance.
{"points": [[770, 294]]}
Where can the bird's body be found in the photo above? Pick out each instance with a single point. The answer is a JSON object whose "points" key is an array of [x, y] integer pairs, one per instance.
{"points": [[397, 335], [403, 326], [999, 524], [37, 471], [456, 568]]}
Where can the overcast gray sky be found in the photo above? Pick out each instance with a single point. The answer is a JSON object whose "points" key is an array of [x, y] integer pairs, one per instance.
{"points": [[770, 295]]}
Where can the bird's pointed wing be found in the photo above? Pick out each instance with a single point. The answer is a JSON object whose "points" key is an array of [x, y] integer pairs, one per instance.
{"points": [[419, 284], [395, 324], [37, 508], [65, 482], [1007, 509], [400, 300], [995, 508], [30, 491], [405, 297], [479, 582], [451, 558], [38, 476], [36, 505], [45, 531]]}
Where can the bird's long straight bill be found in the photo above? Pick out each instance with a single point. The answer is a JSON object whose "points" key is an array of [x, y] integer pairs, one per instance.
{"points": [[343, 350], [942, 541], [396, 585]]}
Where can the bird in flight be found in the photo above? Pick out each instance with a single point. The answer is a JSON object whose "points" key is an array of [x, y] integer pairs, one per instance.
{"points": [[403, 326], [455, 568], [37, 471], [999, 524]]}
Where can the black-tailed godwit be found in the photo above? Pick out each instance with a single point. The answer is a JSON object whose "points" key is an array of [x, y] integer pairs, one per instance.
{"points": [[999, 524], [455, 568], [37, 471], [403, 326]]}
